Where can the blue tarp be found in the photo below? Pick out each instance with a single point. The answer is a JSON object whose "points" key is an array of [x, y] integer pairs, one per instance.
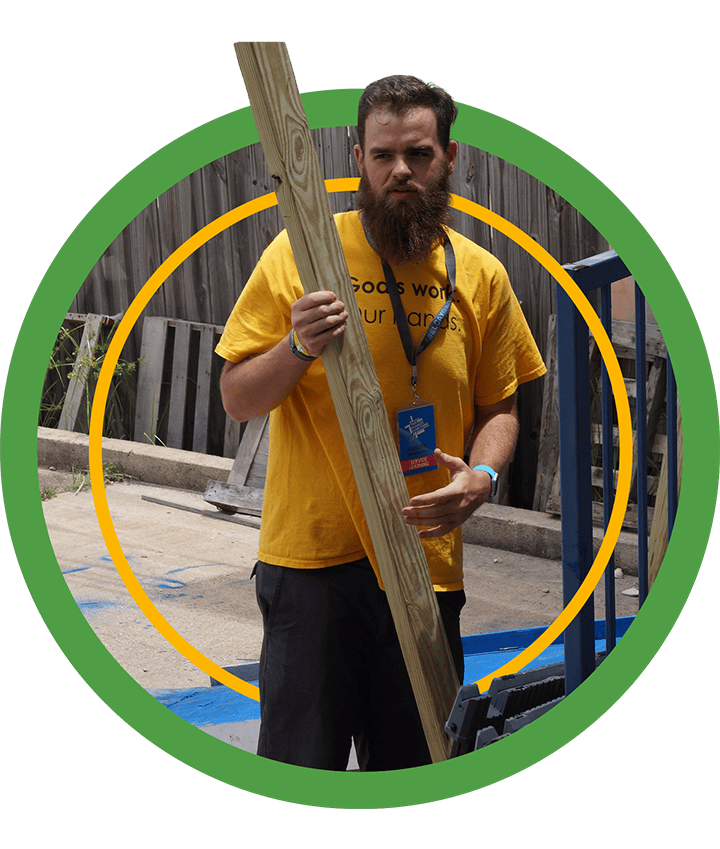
{"points": [[484, 653]]}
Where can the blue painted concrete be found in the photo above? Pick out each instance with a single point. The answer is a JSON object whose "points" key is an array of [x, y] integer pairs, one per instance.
{"points": [[484, 653], [90, 606]]}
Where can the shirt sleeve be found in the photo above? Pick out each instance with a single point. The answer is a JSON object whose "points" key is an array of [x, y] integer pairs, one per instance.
{"points": [[509, 355]]}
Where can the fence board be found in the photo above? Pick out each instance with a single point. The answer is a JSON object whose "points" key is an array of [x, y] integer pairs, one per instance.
{"points": [[178, 386], [249, 178], [142, 254], [181, 214], [334, 146], [150, 378], [204, 383], [222, 292]]}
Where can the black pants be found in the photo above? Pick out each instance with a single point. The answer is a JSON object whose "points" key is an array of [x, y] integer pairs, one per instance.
{"points": [[331, 670]]}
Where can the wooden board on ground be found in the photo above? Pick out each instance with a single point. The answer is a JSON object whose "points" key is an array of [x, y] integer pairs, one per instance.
{"points": [[288, 147], [243, 490]]}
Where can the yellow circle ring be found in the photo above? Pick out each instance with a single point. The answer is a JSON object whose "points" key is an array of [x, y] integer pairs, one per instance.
{"points": [[266, 202]]}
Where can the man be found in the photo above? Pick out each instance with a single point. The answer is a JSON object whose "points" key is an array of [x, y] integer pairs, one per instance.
{"points": [[450, 347]]}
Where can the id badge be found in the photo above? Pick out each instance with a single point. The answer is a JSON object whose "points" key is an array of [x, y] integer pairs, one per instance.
{"points": [[416, 438]]}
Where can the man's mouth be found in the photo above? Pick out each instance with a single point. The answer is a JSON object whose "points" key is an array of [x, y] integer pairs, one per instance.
{"points": [[402, 190]]}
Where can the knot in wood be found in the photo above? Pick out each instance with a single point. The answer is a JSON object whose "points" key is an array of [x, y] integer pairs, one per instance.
{"points": [[299, 147]]}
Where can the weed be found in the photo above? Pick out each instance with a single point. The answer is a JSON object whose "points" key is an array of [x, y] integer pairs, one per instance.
{"points": [[112, 473], [69, 359]]}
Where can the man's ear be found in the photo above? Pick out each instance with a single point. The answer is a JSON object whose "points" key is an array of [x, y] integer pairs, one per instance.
{"points": [[451, 155], [359, 158]]}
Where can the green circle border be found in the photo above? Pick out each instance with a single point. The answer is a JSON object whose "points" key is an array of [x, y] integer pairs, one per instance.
{"points": [[18, 454]]}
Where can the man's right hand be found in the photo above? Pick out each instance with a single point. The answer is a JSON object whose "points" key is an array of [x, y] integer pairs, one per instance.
{"points": [[318, 318], [257, 384]]}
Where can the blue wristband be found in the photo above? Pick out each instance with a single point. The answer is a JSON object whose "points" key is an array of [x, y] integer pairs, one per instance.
{"points": [[493, 477]]}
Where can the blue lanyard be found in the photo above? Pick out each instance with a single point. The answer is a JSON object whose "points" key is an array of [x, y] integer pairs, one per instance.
{"points": [[401, 319]]}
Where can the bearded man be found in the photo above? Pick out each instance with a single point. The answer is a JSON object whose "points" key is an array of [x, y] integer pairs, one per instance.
{"points": [[450, 346]]}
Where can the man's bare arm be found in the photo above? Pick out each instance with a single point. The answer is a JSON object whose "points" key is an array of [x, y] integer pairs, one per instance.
{"points": [[258, 384], [495, 434]]}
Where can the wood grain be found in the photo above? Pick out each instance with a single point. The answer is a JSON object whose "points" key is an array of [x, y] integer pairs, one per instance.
{"points": [[292, 160]]}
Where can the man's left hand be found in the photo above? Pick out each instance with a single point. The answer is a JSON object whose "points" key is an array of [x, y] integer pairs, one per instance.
{"points": [[437, 513]]}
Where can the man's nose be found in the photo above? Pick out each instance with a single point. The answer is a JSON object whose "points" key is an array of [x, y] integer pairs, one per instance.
{"points": [[401, 170]]}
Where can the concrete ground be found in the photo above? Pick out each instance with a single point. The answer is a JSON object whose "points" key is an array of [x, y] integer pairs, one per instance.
{"points": [[195, 564]]}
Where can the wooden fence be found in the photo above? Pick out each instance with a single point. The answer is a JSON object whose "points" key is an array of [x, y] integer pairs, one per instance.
{"points": [[205, 287]]}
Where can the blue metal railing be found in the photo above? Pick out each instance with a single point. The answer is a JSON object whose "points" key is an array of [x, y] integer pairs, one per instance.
{"points": [[598, 273]]}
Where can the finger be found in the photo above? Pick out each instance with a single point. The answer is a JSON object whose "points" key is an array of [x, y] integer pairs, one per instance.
{"points": [[455, 464], [430, 499], [438, 531], [315, 299], [313, 306], [318, 325], [432, 517], [445, 495], [326, 317]]}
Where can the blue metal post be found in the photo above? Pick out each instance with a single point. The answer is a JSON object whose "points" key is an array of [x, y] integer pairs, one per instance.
{"points": [[575, 484], [608, 455]]}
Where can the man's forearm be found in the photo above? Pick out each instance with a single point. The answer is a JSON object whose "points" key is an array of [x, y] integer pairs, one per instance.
{"points": [[260, 383], [495, 435]]}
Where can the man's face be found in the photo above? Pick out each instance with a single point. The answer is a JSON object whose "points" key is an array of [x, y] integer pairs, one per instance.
{"points": [[402, 155], [404, 175]]}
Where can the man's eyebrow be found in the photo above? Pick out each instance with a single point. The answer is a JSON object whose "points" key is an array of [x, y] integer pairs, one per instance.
{"points": [[421, 148]]}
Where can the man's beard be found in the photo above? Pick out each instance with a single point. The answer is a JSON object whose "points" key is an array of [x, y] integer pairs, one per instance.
{"points": [[406, 231]]}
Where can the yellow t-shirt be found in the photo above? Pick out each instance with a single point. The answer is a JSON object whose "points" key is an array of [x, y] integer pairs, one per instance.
{"points": [[312, 515]]}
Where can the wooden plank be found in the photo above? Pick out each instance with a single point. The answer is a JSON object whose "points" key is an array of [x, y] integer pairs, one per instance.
{"points": [[77, 384], [258, 469], [231, 438], [204, 383], [630, 519], [623, 339], [233, 497], [290, 153], [549, 449], [658, 445], [254, 431], [658, 543], [250, 523], [178, 385], [655, 402], [150, 375]]}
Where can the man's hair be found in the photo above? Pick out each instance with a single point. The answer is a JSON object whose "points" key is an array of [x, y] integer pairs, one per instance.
{"points": [[400, 93]]}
